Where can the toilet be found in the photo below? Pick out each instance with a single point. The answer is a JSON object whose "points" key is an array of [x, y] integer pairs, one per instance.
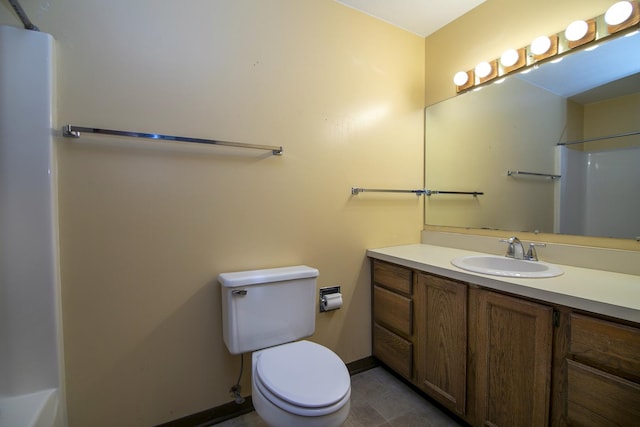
{"points": [[295, 382]]}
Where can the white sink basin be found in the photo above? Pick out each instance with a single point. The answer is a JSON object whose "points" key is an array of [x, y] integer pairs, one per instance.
{"points": [[509, 267]]}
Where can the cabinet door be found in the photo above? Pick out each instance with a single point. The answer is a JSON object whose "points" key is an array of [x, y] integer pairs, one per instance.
{"points": [[510, 349], [441, 339]]}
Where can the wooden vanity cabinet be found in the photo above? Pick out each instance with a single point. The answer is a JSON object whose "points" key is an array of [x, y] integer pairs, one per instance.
{"points": [[510, 344], [441, 340], [603, 373], [500, 360], [484, 355], [392, 334]]}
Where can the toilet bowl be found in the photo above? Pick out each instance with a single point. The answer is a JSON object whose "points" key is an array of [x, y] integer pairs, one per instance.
{"points": [[294, 383], [300, 384]]}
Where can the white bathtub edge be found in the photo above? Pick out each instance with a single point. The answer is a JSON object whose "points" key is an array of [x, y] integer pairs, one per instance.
{"points": [[39, 409]]}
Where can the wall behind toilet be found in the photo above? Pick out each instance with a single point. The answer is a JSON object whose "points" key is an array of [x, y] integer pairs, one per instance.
{"points": [[146, 227]]}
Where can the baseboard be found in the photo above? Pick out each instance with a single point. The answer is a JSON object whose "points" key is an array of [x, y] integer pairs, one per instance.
{"points": [[213, 416], [230, 410], [362, 365]]}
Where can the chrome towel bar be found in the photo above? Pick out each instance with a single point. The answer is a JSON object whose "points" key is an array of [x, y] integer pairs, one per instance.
{"points": [[419, 192], [357, 191], [471, 193], [70, 131], [543, 175]]}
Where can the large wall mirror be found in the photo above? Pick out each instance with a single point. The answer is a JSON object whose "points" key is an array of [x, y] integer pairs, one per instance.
{"points": [[555, 150]]}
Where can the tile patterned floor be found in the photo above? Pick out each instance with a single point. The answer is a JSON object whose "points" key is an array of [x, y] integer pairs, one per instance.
{"points": [[378, 399]]}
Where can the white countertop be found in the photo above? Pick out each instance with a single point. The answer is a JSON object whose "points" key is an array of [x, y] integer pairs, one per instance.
{"points": [[611, 294]]}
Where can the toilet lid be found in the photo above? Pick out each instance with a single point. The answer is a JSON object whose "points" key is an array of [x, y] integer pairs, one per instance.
{"points": [[304, 374]]}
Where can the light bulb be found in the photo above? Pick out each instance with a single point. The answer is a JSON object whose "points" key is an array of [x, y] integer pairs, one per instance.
{"points": [[576, 30], [460, 78], [618, 13], [509, 57], [483, 69], [540, 45]]}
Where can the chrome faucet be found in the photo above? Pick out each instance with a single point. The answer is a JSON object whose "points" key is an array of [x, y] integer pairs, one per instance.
{"points": [[515, 249]]}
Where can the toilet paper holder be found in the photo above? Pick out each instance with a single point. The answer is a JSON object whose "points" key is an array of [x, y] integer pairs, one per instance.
{"points": [[324, 292]]}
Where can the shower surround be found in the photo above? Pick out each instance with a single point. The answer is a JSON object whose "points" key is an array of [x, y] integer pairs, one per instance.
{"points": [[31, 367]]}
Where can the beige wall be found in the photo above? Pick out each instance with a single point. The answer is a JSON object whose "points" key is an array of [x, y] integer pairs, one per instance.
{"points": [[611, 117], [488, 30], [146, 227]]}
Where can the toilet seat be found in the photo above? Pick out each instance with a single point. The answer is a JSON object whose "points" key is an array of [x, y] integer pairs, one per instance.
{"points": [[303, 378]]}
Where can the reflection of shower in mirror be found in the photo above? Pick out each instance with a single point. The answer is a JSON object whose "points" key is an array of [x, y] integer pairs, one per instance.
{"points": [[594, 185]]}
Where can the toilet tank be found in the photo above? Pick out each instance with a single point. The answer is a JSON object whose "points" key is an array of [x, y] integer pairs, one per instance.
{"points": [[263, 308]]}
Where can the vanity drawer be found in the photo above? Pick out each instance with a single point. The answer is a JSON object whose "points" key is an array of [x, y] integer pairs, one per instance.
{"points": [[393, 277], [393, 350], [606, 345], [596, 398], [392, 311]]}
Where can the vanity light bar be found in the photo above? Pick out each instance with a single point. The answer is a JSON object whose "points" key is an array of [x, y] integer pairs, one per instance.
{"points": [[623, 15]]}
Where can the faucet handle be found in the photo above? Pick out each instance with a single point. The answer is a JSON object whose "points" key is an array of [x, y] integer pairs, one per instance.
{"points": [[510, 240], [510, 247], [532, 255], [511, 250]]}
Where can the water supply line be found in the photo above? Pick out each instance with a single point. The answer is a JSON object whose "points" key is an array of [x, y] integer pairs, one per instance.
{"points": [[237, 389], [28, 25]]}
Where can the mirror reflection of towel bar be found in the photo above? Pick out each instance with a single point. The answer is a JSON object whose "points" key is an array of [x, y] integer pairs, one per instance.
{"points": [[471, 193], [544, 175], [419, 192], [599, 138]]}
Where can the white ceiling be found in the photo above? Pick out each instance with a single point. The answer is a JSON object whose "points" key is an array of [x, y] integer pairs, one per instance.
{"points": [[421, 17]]}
